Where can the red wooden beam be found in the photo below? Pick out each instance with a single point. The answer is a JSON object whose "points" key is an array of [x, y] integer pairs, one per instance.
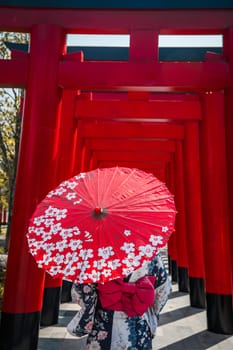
{"points": [[182, 21], [13, 73], [138, 96], [159, 166], [147, 76], [144, 45], [133, 130], [124, 76], [162, 109], [132, 156], [130, 145]]}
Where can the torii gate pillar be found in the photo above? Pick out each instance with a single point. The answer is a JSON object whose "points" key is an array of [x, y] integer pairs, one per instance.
{"points": [[21, 309], [216, 216], [228, 53], [193, 214], [182, 255]]}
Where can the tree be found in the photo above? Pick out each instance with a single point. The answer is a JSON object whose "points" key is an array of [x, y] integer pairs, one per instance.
{"points": [[10, 127]]}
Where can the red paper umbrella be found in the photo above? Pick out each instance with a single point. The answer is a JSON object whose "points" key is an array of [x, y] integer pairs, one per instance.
{"points": [[101, 225]]}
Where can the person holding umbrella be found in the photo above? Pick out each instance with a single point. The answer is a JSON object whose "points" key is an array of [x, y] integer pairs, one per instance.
{"points": [[119, 314], [103, 230]]}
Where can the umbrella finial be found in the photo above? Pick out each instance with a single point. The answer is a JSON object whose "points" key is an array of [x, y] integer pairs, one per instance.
{"points": [[99, 213]]}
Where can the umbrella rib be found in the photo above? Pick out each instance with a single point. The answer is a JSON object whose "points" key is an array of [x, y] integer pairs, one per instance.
{"points": [[146, 197], [134, 201], [134, 197], [138, 220], [90, 201], [109, 186], [125, 180], [106, 193]]}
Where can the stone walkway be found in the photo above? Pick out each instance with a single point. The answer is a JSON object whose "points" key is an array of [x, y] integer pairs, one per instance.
{"points": [[181, 328]]}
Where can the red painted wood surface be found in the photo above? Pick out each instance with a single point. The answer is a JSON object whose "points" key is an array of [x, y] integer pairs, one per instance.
{"points": [[35, 171], [193, 201], [215, 196], [179, 192]]}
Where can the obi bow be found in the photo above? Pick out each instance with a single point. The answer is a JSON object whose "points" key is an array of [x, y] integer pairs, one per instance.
{"points": [[132, 298]]}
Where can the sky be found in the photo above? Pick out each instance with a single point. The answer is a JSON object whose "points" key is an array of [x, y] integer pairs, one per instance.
{"points": [[164, 40]]}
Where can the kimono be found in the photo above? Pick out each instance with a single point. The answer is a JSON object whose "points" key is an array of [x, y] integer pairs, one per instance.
{"points": [[115, 330]]}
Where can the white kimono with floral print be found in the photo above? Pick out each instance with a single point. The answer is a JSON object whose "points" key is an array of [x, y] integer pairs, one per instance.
{"points": [[114, 330]]}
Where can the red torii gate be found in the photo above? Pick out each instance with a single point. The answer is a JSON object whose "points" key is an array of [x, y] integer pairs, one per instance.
{"points": [[157, 131], [45, 77], [171, 108]]}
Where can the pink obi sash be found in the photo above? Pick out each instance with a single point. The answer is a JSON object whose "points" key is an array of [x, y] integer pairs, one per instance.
{"points": [[132, 298]]}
